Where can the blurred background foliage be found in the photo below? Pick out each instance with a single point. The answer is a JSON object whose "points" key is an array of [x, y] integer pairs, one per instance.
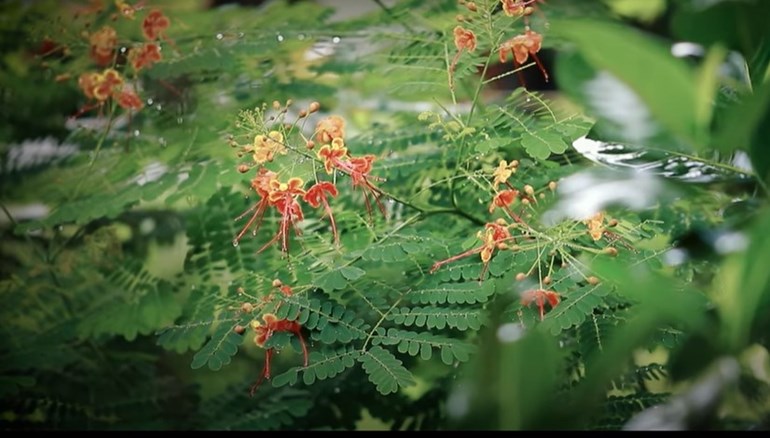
{"points": [[118, 272]]}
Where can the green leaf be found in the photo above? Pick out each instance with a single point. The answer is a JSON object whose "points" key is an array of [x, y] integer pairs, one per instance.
{"points": [[321, 366], [134, 303], [492, 144], [385, 371], [663, 83], [438, 317], [330, 321], [219, 350], [576, 305], [453, 293], [414, 343], [338, 278]]}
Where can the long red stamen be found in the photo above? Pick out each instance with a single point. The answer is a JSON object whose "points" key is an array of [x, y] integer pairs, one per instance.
{"points": [[265, 375], [540, 66], [257, 217], [331, 220], [436, 266]]}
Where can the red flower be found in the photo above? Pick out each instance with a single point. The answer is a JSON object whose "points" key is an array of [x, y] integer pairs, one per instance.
{"points": [[540, 297], [106, 84], [503, 199], [263, 333], [335, 156], [331, 154], [316, 196], [154, 24], [145, 56], [283, 197], [129, 100]]}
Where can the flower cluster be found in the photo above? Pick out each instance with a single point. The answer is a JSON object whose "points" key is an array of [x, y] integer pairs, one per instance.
{"points": [[521, 47], [110, 80], [286, 198]]}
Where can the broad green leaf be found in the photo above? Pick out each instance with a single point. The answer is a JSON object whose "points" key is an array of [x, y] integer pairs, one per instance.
{"points": [[663, 83]]}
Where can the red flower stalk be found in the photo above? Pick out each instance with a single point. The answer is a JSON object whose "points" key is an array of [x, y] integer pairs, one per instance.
{"points": [[464, 40], [264, 332], [316, 197], [522, 47], [336, 156], [540, 297], [494, 236]]}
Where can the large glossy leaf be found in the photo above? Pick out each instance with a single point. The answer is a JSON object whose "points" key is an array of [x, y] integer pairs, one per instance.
{"points": [[635, 67]]}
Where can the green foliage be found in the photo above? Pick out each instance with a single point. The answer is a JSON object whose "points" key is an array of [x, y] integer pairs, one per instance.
{"points": [[152, 264]]}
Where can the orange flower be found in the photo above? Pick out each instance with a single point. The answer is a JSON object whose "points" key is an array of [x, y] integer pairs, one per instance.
{"points": [[502, 173], [263, 333], [127, 10], [154, 24], [129, 100], [464, 39], [540, 297], [494, 236], [145, 56], [280, 191], [503, 199], [595, 226], [103, 44], [106, 84], [332, 154], [283, 197], [517, 8], [329, 128], [87, 83], [316, 196], [266, 147], [521, 47], [261, 184]]}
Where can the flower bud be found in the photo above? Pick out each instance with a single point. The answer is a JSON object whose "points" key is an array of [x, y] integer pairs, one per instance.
{"points": [[314, 106], [239, 329], [277, 283], [547, 279], [612, 252], [247, 307], [552, 185], [243, 168], [521, 276], [310, 144], [276, 105], [592, 280]]}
